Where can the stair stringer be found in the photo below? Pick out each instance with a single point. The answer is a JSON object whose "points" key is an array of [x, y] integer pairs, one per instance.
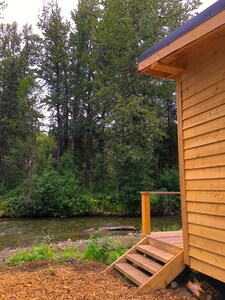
{"points": [[165, 275], [121, 259]]}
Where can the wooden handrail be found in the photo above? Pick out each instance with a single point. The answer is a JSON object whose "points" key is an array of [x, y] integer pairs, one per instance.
{"points": [[145, 209]]}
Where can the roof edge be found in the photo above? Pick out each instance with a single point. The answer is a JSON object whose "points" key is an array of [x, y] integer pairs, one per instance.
{"points": [[208, 13]]}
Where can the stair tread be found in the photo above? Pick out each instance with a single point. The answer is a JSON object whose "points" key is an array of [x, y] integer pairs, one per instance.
{"points": [[144, 262], [132, 273], [155, 252]]}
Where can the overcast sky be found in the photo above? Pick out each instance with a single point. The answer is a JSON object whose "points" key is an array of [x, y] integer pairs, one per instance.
{"points": [[26, 11]]}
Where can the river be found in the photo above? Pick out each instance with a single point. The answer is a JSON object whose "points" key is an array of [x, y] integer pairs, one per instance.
{"points": [[25, 232]]}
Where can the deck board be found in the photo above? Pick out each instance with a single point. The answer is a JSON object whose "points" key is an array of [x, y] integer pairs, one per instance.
{"points": [[171, 237]]}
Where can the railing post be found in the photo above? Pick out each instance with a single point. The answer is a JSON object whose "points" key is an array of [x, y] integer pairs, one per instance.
{"points": [[145, 207]]}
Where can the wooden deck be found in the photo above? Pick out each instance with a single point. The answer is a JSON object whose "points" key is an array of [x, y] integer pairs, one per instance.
{"points": [[170, 237]]}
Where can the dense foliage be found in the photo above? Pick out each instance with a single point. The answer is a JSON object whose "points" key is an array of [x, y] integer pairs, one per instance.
{"points": [[111, 132]]}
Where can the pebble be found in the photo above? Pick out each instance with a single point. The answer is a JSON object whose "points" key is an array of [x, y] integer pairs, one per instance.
{"points": [[174, 285]]}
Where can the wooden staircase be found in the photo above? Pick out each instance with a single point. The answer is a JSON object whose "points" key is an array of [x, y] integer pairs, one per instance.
{"points": [[150, 264]]}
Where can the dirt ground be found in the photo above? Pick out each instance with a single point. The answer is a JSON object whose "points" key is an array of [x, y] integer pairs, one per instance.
{"points": [[75, 281]]}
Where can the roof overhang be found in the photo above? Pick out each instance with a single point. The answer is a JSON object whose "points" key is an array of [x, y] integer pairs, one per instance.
{"points": [[167, 58]]}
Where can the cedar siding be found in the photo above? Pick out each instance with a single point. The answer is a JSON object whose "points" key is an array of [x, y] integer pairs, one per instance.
{"points": [[203, 127], [196, 60]]}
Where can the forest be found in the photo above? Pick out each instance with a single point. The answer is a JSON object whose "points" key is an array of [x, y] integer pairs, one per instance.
{"points": [[81, 132]]}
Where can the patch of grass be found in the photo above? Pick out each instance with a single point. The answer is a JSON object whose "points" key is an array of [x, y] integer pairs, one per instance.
{"points": [[104, 250], [47, 239], [171, 227], [70, 253], [43, 252]]}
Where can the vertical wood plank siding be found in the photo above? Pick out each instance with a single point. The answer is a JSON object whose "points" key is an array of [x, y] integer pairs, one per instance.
{"points": [[203, 138]]}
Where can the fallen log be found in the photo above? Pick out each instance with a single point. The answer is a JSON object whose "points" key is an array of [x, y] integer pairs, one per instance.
{"points": [[203, 290], [115, 228], [196, 290]]}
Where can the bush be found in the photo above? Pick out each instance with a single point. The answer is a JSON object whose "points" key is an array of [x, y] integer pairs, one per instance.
{"points": [[162, 205], [169, 180], [54, 193], [165, 205], [50, 195], [105, 251], [42, 252]]}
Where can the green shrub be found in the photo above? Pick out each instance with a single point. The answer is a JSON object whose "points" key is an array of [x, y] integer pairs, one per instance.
{"points": [[96, 252], [117, 250], [162, 205], [165, 205], [105, 251], [54, 193], [42, 252], [169, 180]]}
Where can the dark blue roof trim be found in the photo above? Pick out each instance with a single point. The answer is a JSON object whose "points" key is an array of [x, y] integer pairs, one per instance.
{"points": [[185, 28]]}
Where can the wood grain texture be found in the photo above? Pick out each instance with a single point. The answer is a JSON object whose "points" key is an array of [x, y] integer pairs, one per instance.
{"points": [[208, 93], [206, 173], [145, 209], [211, 258], [210, 126], [155, 252], [135, 275], [205, 162], [143, 262], [214, 209], [165, 275], [205, 139], [206, 220], [206, 196], [209, 80], [206, 185], [206, 115], [182, 169], [209, 65], [216, 247], [206, 150], [207, 232], [208, 269]]}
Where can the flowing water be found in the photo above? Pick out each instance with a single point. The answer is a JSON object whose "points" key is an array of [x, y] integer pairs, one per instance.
{"points": [[25, 232]]}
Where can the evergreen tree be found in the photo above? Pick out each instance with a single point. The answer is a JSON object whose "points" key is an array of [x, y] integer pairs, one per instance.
{"points": [[120, 117], [122, 126], [85, 112], [3, 6], [18, 112], [54, 70]]}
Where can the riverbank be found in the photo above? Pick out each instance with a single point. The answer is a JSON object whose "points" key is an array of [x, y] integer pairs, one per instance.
{"points": [[24, 232], [80, 245]]}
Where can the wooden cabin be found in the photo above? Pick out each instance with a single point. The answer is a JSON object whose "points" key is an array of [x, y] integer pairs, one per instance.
{"points": [[194, 56]]}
